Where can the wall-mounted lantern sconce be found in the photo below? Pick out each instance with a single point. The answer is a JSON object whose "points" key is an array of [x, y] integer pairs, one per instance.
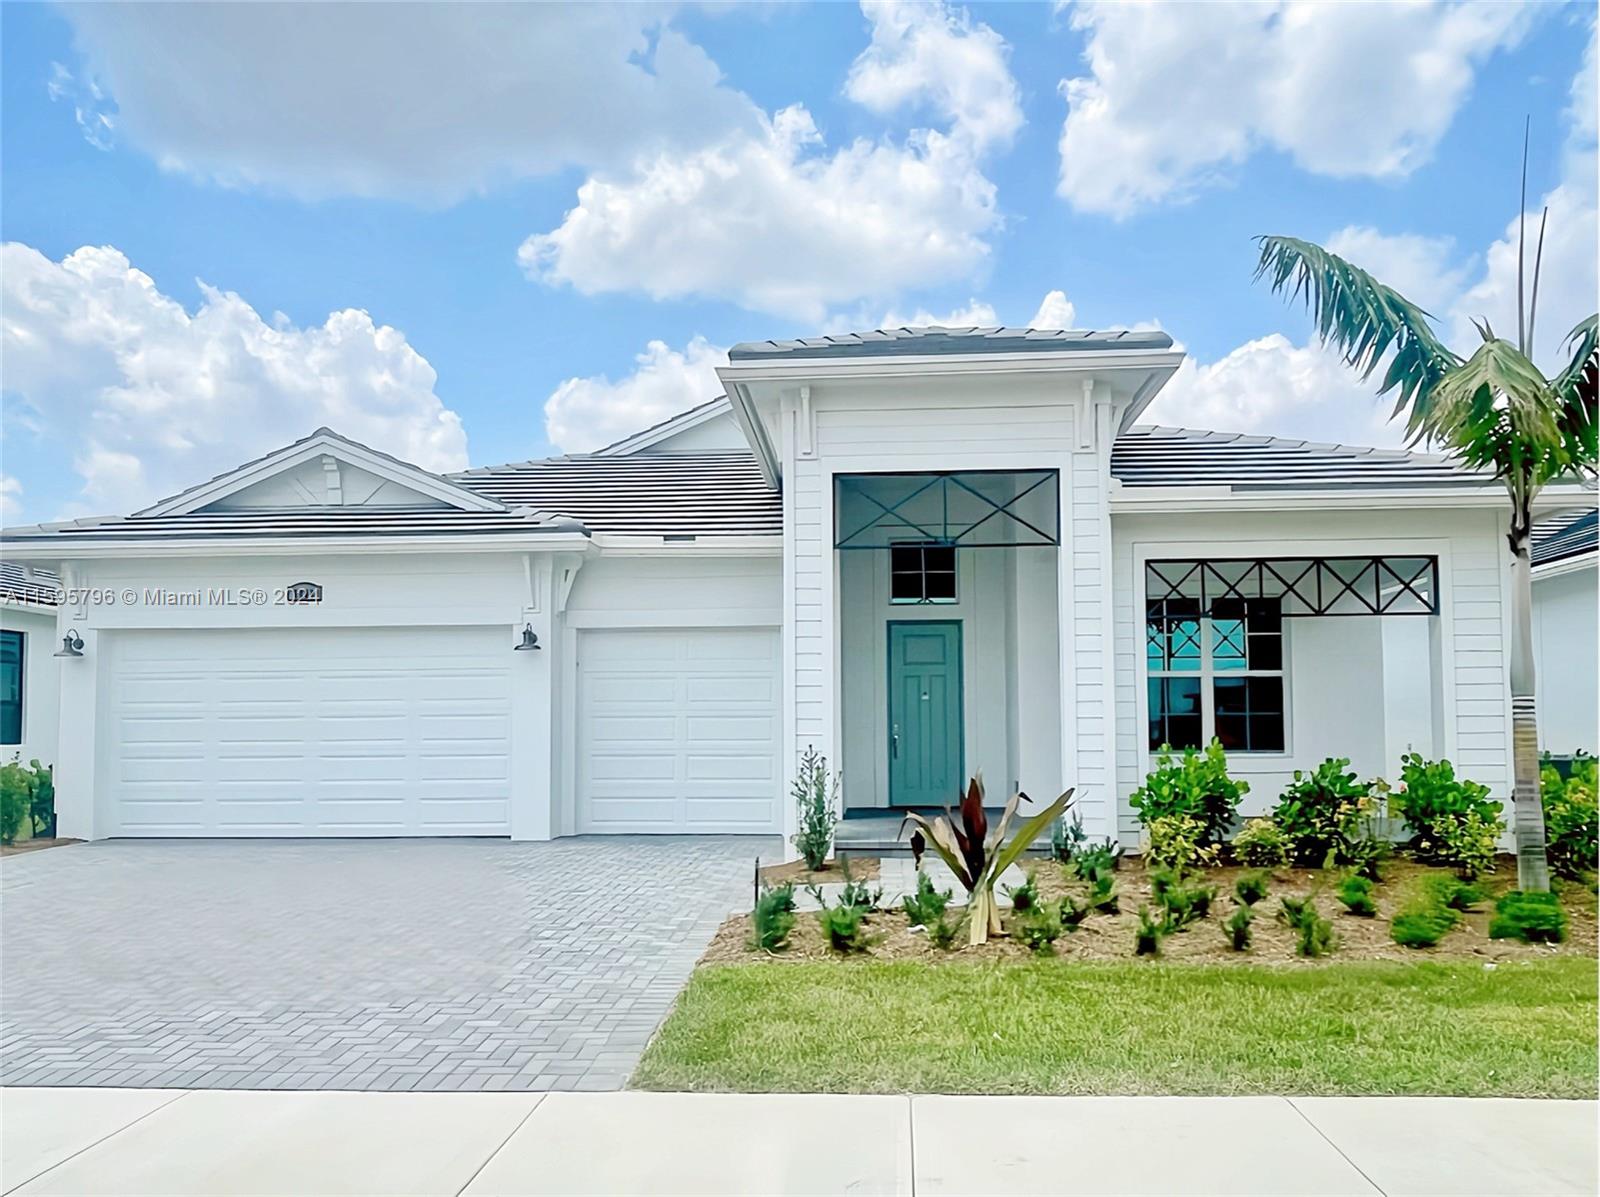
{"points": [[530, 641], [71, 644]]}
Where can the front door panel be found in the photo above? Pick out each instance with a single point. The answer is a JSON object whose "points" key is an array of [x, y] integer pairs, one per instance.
{"points": [[925, 726]]}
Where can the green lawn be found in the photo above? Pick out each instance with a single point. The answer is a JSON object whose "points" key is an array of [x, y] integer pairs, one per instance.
{"points": [[1521, 1029]]}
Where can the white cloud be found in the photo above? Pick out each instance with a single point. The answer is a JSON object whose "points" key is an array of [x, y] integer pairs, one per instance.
{"points": [[1055, 311], [928, 55], [1422, 269], [153, 398], [89, 107], [10, 497], [426, 101], [773, 220], [588, 413], [1275, 388], [1177, 94]]}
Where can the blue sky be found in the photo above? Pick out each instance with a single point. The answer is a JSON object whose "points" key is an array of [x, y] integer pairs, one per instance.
{"points": [[557, 218]]}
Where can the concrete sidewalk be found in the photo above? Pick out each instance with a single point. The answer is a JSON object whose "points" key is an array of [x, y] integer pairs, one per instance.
{"points": [[139, 1141]]}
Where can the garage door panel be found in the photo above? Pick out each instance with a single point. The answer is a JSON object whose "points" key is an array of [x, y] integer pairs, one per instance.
{"points": [[678, 731], [310, 732]]}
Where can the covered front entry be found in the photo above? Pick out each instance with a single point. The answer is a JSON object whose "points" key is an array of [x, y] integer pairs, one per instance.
{"points": [[309, 732]]}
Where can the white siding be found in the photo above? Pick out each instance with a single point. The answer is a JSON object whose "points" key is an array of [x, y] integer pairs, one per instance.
{"points": [[1565, 649], [41, 697]]}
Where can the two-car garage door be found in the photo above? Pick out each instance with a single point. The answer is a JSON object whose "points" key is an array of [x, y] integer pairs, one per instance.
{"points": [[309, 732], [678, 731]]}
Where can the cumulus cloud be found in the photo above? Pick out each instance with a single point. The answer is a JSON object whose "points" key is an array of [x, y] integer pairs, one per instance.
{"points": [[153, 398], [1423, 269], [775, 221], [10, 497], [428, 101], [589, 413], [1177, 94], [1055, 311]]}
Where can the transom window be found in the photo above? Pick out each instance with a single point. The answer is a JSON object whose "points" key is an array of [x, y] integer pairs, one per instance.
{"points": [[922, 572], [1216, 673], [10, 687]]}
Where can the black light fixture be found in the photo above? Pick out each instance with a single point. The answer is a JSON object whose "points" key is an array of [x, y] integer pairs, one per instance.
{"points": [[530, 641], [71, 644]]}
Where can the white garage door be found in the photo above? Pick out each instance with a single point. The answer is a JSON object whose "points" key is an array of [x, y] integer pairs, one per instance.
{"points": [[316, 732], [678, 731]]}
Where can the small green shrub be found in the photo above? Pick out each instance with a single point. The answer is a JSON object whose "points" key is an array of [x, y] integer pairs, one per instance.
{"points": [[1185, 904], [1356, 894], [1237, 928], [927, 906], [1250, 888], [1293, 910], [1073, 912], [942, 932], [1571, 818], [1421, 928], [1316, 934], [1024, 896], [1530, 917], [844, 927], [1367, 852], [1451, 893], [1196, 786], [1325, 813], [1453, 820], [1176, 842], [816, 797], [773, 917], [856, 893], [1261, 845], [42, 800], [1147, 936], [1039, 927], [1103, 894], [1091, 862], [16, 791]]}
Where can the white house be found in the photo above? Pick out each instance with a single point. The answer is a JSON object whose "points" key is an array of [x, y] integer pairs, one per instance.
{"points": [[1564, 631], [925, 552], [29, 704]]}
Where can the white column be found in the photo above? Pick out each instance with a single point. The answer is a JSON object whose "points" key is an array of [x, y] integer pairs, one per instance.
{"points": [[77, 751], [533, 730]]}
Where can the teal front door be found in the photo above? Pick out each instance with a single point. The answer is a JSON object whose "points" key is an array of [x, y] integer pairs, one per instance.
{"points": [[924, 713]]}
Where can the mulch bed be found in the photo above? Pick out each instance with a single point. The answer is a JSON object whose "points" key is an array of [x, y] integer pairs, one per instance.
{"points": [[1111, 936], [34, 845], [862, 868]]}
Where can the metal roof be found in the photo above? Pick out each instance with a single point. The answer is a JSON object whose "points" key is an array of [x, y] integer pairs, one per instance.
{"points": [[299, 522], [644, 434], [693, 494], [42, 590], [1567, 534], [939, 340], [1157, 456]]}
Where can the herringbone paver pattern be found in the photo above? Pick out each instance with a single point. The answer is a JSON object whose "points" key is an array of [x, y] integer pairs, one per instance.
{"points": [[386, 964]]}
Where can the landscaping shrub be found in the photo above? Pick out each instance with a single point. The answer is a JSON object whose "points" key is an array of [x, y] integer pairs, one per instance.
{"points": [[1250, 888], [927, 906], [1197, 786], [844, 927], [1571, 818], [1186, 904], [1073, 912], [1024, 896], [1316, 934], [1147, 936], [1175, 842], [1325, 814], [774, 917], [1039, 927], [1432, 910], [816, 797], [856, 893], [1068, 839], [42, 800], [942, 932], [1532, 918], [1237, 928], [1451, 892], [1103, 894], [1356, 894], [1261, 845], [1292, 910], [16, 792], [1453, 820], [1421, 928], [1091, 862]]}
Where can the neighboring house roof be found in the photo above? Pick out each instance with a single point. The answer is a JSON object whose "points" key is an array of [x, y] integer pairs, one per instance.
{"points": [[935, 339], [20, 587], [717, 494], [658, 432], [1156, 456], [1566, 535], [300, 522]]}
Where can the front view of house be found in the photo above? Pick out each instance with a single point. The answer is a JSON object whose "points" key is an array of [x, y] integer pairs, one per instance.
{"points": [[925, 552]]}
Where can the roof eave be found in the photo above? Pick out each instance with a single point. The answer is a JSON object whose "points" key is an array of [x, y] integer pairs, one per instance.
{"points": [[86, 547]]}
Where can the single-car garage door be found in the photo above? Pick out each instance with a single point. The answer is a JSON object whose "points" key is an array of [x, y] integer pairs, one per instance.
{"points": [[313, 732], [678, 731]]}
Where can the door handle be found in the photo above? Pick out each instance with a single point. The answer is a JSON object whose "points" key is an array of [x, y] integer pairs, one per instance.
{"points": [[894, 741]]}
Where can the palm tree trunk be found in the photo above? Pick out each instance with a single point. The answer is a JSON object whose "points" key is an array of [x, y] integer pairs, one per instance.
{"points": [[1533, 869]]}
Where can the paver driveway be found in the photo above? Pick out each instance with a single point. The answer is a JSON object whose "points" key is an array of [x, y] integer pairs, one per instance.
{"points": [[380, 964]]}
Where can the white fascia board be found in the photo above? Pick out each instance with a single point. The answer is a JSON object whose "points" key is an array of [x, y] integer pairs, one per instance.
{"points": [[666, 430], [72, 548], [618, 544], [927, 365], [380, 464], [1222, 498], [745, 415], [1577, 563]]}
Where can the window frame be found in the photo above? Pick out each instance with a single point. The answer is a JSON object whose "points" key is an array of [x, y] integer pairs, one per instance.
{"points": [[922, 547], [22, 688], [1208, 674]]}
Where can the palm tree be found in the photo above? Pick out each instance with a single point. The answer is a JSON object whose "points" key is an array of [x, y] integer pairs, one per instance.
{"points": [[1494, 410]]}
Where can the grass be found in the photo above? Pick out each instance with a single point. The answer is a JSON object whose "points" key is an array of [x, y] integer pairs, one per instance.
{"points": [[1522, 1029]]}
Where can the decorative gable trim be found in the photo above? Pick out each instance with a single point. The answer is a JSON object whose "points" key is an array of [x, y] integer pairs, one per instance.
{"points": [[333, 449]]}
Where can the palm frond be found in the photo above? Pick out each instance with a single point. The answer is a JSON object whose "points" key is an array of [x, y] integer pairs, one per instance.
{"points": [[1498, 411], [1575, 389], [1362, 319]]}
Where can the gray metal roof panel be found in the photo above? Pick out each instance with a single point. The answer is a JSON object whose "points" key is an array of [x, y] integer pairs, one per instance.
{"points": [[1566, 535], [41, 589], [937, 340], [310, 522]]}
